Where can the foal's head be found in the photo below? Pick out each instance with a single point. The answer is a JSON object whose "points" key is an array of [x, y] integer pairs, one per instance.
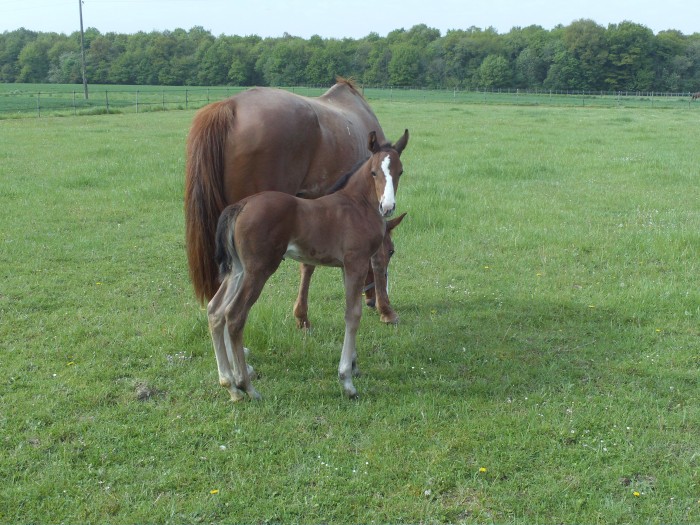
{"points": [[386, 168]]}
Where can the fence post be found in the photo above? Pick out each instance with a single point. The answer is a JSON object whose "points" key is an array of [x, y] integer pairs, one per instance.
{"points": [[137, 101], [186, 99], [107, 100], [74, 108], [163, 94]]}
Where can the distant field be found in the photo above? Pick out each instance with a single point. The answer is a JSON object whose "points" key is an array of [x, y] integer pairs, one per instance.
{"points": [[545, 369], [36, 100]]}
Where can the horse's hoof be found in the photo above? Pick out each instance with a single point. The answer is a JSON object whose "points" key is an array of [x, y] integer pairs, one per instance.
{"points": [[371, 303], [389, 319]]}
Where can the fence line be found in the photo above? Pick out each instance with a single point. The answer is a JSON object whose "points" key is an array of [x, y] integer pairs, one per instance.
{"points": [[140, 100]]}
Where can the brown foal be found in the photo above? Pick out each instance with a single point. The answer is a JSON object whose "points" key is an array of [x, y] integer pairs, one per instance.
{"points": [[344, 229]]}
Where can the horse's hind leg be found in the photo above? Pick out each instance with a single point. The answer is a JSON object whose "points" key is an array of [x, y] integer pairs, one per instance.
{"points": [[301, 305], [216, 312]]}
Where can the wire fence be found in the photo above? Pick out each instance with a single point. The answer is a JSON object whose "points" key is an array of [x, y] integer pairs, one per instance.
{"points": [[62, 100], [20, 103]]}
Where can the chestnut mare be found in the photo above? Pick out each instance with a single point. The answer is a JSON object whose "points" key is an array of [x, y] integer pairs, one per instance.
{"points": [[270, 139], [343, 229]]}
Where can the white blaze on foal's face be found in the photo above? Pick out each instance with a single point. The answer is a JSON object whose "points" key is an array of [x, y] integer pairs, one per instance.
{"points": [[387, 204]]}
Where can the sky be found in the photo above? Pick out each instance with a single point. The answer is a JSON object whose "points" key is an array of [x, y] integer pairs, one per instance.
{"points": [[338, 18]]}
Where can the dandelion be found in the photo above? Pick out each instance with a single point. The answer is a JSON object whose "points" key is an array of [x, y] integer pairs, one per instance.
{"points": [[636, 494], [214, 491], [482, 470]]}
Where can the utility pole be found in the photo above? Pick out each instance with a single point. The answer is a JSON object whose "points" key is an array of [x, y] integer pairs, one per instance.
{"points": [[82, 48]]}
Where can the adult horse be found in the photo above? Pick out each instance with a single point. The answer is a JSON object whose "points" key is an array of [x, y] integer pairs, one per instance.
{"points": [[342, 229], [271, 139], [696, 96]]}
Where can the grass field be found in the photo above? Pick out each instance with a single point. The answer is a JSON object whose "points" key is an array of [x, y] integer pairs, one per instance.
{"points": [[41, 100], [545, 369]]}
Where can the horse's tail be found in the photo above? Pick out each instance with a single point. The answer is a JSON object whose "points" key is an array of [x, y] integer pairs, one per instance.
{"points": [[225, 255], [204, 193]]}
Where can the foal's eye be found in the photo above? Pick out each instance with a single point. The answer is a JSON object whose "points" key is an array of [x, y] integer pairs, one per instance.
{"points": [[374, 174]]}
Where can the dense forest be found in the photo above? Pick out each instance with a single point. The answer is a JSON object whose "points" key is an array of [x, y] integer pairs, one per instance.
{"points": [[580, 56]]}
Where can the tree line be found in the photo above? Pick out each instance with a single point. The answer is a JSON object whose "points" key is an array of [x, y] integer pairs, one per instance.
{"points": [[580, 56]]}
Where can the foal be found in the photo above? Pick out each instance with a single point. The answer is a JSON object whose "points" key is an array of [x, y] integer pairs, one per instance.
{"points": [[343, 229]]}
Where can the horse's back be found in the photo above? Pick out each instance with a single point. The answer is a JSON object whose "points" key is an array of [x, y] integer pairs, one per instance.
{"points": [[270, 143], [286, 142]]}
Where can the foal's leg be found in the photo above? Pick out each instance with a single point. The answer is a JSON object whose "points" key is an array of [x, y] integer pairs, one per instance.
{"points": [[236, 316], [368, 289], [381, 289], [216, 312], [353, 276], [301, 305]]}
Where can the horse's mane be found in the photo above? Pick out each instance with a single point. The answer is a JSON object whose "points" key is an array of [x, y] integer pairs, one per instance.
{"points": [[343, 181], [350, 82]]}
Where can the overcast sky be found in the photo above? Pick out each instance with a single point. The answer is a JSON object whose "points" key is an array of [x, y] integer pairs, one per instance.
{"points": [[338, 18]]}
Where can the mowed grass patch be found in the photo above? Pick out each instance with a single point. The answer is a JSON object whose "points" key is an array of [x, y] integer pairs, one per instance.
{"points": [[545, 367]]}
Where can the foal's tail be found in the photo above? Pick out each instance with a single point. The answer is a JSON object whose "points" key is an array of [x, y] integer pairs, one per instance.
{"points": [[204, 192], [226, 256]]}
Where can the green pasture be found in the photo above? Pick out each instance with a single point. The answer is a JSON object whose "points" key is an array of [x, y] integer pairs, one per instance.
{"points": [[41, 100], [545, 368]]}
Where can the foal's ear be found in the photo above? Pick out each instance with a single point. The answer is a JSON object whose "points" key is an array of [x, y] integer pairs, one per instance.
{"points": [[393, 223], [372, 143], [401, 143]]}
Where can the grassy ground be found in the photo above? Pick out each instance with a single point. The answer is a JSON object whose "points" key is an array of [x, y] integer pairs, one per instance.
{"points": [[41, 100], [545, 368]]}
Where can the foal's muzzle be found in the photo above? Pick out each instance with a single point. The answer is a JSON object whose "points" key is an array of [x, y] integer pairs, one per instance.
{"points": [[387, 211]]}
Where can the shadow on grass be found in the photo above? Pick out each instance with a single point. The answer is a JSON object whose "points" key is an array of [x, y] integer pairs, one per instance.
{"points": [[507, 348]]}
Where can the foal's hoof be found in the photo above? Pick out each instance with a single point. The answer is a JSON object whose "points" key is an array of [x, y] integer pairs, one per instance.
{"points": [[236, 395], [303, 324], [352, 394], [348, 389], [254, 395]]}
